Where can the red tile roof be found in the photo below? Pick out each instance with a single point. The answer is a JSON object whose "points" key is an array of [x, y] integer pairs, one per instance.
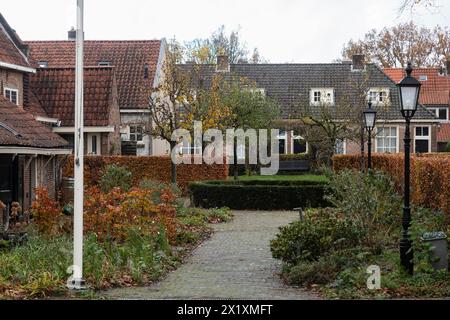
{"points": [[128, 57], [11, 47], [55, 90], [435, 90], [18, 128], [444, 133]]}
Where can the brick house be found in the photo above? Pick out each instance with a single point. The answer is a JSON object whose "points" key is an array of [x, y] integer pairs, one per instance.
{"points": [[29, 150], [137, 67], [55, 90], [292, 85], [435, 96]]}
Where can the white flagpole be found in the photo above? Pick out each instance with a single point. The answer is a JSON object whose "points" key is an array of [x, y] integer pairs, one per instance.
{"points": [[77, 282]]}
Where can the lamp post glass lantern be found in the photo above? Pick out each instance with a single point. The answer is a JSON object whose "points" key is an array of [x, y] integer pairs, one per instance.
{"points": [[370, 117], [409, 90]]}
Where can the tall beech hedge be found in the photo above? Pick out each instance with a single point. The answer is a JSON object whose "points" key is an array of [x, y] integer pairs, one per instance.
{"points": [[153, 168], [430, 176], [258, 195]]}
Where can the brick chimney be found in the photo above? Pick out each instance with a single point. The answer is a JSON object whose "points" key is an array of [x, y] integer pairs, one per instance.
{"points": [[358, 62], [72, 34], [223, 64]]}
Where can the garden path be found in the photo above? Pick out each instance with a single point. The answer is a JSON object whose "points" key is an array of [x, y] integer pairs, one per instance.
{"points": [[235, 263]]}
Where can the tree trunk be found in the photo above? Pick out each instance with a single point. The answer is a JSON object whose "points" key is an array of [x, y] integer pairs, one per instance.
{"points": [[173, 165]]}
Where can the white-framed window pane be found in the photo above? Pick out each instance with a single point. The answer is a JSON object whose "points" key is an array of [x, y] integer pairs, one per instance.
{"points": [[11, 95], [339, 147], [387, 140]]}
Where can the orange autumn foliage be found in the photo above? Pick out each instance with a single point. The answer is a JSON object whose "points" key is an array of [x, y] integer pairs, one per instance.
{"points": [[46, 213], [110, 215], [151, 168]]}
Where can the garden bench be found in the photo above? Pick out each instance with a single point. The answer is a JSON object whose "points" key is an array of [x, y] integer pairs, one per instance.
{"points": [[294, 165]]}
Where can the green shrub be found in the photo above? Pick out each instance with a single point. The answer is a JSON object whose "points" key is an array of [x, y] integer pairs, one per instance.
{"points": [[368, 199], [198, 216], [115, 176], [258, 194], [158, 186], [447, 148], [321, 231]]}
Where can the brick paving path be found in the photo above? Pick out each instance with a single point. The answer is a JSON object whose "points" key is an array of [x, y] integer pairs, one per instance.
{"points": [[235, 263]]}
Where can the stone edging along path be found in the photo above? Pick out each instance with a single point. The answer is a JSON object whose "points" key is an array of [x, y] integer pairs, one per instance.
{"points": [[235, 263]]}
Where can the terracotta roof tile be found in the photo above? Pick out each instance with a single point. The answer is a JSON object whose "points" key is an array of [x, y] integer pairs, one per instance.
{"points": [[128, 57], [18, 128], [11, 46], [55, 90], [444, 133], [435, 90]]}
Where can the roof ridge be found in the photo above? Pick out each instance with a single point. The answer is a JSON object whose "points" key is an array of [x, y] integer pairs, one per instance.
{"points": [[72, 41]]}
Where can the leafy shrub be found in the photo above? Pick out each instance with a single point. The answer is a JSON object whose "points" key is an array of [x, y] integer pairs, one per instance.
{"points": [[258, 194], [368, 199], [46, 213], [115, 177], [447, 147], [158, 187], [430, 176], [110, 215], [321, 231]]}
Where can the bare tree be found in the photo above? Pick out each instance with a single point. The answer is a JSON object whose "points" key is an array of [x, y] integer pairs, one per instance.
{"points": [[167, 101], [394, 47], [205, 51]]}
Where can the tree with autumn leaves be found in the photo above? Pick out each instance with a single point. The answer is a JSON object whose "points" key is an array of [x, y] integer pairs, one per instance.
{"points": [[183, 97]]}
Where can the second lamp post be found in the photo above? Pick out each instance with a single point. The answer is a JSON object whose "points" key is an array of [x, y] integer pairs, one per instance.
{"points": [[370, 117]]}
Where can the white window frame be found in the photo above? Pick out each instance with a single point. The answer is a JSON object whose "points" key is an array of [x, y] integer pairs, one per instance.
{"points": [[436, 111], [293, 138], [323, 96], [397, 144], [285, 138], [344, 147], [89, 144], [11, 90], [428, 137], [378, 91], [139, 142]]}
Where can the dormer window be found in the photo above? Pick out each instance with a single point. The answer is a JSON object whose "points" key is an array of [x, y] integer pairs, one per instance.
{"points": [[104, 63], [378, 96], [322, 96], [423, 78], [43, 64], [12, 95]]}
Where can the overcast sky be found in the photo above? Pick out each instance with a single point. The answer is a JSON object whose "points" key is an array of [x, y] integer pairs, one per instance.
{"points": [[283, 30]]}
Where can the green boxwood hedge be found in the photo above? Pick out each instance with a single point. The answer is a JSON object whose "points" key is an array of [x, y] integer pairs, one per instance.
{"points": [[258, 194]]}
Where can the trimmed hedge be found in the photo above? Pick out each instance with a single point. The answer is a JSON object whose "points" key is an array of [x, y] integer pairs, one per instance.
{"points": [[258, 195], [430, 176], [153, 168]]}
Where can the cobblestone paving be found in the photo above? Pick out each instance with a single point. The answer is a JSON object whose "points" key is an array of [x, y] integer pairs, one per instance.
{"points": [[235, 263]]}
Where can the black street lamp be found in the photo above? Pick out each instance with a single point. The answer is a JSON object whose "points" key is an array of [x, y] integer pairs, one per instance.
{"points": [[409, 89], [370, 117]]}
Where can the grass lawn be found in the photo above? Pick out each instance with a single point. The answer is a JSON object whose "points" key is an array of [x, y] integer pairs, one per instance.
{"points": [[309, 177]]}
